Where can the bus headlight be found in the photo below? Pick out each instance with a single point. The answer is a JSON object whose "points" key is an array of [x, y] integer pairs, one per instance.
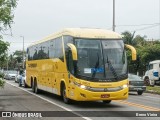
{"points": [[81, 86], [125, 86]]}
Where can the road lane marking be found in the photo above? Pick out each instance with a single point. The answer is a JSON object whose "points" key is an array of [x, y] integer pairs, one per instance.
{"points": [[67, 109], [138, 105], [152, 97]]}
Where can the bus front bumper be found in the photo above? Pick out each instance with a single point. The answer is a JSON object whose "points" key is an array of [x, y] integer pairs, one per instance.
{"points": [[86, 95]]}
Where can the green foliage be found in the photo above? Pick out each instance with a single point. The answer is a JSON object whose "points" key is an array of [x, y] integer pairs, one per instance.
{"points": [[155, 89], [6, 19], [3, 52], [147, 50], [2, 83], [1, 75], [18, 55], [128, 37], [6, 13]]}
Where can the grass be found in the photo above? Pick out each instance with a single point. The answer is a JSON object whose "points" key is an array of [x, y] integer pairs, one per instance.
{"points": [[155, 89]]}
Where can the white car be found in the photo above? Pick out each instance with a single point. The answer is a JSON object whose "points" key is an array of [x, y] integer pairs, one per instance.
{"points": [[11, 74]]}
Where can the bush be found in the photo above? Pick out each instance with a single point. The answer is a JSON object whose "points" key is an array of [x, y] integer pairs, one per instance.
{"points": [[1, 75], [2, 83]]}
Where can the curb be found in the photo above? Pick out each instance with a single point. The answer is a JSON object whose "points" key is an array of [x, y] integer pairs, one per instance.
{"points": [[152, 92]]}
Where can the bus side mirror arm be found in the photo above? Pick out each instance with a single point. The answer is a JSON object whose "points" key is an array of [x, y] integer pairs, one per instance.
{"points": [[133, 50], [74, 51]]}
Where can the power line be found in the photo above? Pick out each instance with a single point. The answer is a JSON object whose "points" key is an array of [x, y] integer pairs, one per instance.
{"points": [[138, 25], [146, 28], [20, 42]]}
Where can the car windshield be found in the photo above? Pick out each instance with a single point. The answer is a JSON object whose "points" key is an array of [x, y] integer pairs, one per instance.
{"points": [[134, 77], [12, 72], [101, 59]]}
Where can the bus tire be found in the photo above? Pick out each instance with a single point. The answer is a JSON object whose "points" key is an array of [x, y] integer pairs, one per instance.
{"points": [[107, 101], [33, 86], [25, 85], [65, 99], [36, 87]]}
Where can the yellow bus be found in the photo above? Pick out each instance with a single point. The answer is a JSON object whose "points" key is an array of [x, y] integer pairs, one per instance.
{"points": [[80, 64]]}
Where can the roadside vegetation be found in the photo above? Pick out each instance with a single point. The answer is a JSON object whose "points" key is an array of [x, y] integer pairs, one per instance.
{"points": [[2, 82], [147, 50], [155, 89], [6, 19]]}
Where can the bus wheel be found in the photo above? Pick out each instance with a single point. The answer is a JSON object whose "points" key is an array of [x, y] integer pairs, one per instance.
{"points": [[36, 88], [25, 85], [107, 101], [65, 99], [33, 87]]}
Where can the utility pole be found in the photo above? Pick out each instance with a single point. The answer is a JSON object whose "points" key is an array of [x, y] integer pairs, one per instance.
{"points": [[7, 61], [113, 15], [23, 52]]}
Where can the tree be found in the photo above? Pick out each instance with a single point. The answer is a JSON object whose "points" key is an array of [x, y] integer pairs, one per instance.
{"points": [[18, 56], [6, 19], [128, 37], [3, 52], [139, 40], [6, 13]]}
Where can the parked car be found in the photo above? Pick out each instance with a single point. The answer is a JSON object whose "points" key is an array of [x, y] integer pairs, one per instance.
{"points": [[11, 74], [136, 84]]}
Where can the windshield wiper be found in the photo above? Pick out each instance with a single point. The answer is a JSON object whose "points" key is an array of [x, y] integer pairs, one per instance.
{"points": [[96, 66], [112, 68]]}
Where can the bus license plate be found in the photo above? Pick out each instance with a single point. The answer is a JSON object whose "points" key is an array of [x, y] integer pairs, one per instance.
{"points": [[105, 95]]}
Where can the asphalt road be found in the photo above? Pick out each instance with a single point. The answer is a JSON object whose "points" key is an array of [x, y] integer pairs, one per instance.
{"points": [[14, 98]]}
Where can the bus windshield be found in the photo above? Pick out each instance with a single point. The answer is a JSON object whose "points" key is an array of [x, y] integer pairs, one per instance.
{"points": [[101, 60]]}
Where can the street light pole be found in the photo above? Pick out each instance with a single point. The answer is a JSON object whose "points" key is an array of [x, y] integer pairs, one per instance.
{"points": [[23, 52], [113, 15], [7, 61]]}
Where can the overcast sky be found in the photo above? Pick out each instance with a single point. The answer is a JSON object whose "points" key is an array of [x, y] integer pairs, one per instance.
{"points": [[35, 19]]}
